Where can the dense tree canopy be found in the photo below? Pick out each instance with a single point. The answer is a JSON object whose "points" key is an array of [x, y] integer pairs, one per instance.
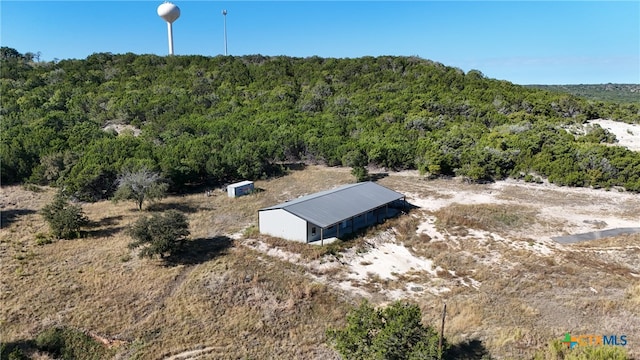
{"points": [[628, 93], [219, 119]]}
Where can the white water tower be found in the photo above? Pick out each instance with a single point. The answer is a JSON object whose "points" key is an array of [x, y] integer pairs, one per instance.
{"points": [[170, 13], [224, 13]]}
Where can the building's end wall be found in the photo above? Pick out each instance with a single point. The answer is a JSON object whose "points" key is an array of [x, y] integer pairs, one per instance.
{"points": [[235, 191], [282, 224]]}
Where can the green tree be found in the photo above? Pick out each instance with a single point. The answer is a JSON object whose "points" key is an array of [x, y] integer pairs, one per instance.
{"points": [[10, 53], [139, 186], [357, 160], [394, 332], [215, 119], [159, 234], [65, 219]]}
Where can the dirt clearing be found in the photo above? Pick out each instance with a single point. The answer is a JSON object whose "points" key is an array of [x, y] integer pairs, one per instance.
{"points": [[485, 250]]}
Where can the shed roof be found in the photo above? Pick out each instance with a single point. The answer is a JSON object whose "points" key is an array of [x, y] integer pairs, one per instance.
{"points": [[330, 207], [241, 183]]}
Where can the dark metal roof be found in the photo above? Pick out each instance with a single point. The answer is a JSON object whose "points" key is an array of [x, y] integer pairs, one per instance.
{"points": [[330, 207]]}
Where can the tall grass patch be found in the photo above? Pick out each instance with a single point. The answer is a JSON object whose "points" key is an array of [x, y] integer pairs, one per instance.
{"points": [[557, 350], [490, 217]]}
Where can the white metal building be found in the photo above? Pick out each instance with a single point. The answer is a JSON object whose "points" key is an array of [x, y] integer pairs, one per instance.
{"points": [[240, 188], [330, 213]]}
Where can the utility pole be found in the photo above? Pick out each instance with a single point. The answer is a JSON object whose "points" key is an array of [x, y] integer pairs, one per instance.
{"points": [[444, 314]]}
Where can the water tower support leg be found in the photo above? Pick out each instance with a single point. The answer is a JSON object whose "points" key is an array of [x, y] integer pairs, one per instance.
{"points": [[170, 33]]}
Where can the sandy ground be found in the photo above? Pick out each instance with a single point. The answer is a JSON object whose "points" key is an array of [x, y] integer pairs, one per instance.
{"points": [[387, 269], [578, 211], [628, 135], [565, 210]]}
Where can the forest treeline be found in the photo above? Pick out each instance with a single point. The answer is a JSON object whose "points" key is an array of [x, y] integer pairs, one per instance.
{"points": [[212, 120], [629, 93]]}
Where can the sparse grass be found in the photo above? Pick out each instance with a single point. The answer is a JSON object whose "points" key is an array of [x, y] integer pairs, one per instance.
{"points": [[405, 228], [95, 284], [629, 242], [245, 304], [491, 217], [557, 350], [247, 307], [251, 231], [633, 294], [509, 336], [32, 188], [463, 315], [306, 251]]}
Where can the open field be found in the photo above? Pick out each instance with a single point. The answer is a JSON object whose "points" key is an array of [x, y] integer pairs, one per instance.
{"points": [[485, 250]]}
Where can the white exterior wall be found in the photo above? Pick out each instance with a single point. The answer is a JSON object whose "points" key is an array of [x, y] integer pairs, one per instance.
{"points": [[283, 224], [310, 233], [239, 189]]}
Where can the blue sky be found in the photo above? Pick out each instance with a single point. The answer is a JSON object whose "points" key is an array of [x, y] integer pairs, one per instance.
{"points": [[536, 42]]}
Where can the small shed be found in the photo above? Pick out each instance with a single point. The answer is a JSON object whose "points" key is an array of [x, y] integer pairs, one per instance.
{"points": [[240, 188]]}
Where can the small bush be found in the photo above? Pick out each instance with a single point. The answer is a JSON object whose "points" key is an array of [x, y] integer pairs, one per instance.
{"points": [[11, 352], [66, 343], [32, 187], [65, 219], [51, 341], [251, 231], [160, 234], [394, 332], [532, 179], [43, 239]]}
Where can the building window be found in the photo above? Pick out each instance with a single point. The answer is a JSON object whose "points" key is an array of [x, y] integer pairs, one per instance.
{"points": [[313, 230]]}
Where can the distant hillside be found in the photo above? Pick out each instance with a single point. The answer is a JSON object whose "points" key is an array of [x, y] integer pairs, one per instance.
{"points": [[624, 93], [211, 120]]}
